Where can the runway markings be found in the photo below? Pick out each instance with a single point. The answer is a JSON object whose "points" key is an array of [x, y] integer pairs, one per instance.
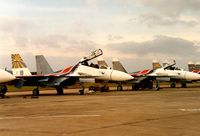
{"points": [[191, 110], [47, 116]]}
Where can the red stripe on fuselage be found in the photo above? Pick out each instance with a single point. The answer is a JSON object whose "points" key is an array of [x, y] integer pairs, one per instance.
{"points": [[64, 71], [196, 71], [140, 73], [146, 71]]}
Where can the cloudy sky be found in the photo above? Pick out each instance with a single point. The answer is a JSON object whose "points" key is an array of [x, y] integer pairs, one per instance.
{"points": [[135, 31]]}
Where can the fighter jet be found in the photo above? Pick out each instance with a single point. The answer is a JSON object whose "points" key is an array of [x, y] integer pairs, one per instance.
{"points": [[66, 77], [174, 74], [140, 79], [116, 66], [158, 73], [5, 77]]}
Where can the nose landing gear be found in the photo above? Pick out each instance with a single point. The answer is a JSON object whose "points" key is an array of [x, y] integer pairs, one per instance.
{"points": [[3, 90]]}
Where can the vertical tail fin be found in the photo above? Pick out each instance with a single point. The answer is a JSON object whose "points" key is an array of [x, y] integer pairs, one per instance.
{"points": [[197, 66], [156, 64], [42, 65], [118, 66], [102, 63], [19, 68], [191, 66]]}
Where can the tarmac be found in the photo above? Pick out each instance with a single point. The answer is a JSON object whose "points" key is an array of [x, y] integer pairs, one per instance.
{"points": [[168, 112]]}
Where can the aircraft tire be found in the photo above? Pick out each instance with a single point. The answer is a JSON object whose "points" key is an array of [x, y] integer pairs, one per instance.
{"points": [[104, 88], [36, 92], [150, 85], [81, 92], [3, 90], [119, 88], [157, 88], [59, 90], [2, 96], [135, 87], [173, 85], [183, 85]]}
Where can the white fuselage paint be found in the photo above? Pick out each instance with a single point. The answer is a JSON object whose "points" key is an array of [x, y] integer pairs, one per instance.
{"points": [[5, 76], [21, 72], [103, 74], [176, 74]]}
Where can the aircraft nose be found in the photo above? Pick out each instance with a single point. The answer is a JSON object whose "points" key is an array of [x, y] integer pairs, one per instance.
{"points": [[6, 77], [120, 76], [192, 76]]}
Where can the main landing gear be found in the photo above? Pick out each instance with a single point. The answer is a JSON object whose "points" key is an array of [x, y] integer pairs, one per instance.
{"points": [[148, 84], [3, 90], [81, 91], [157, 85], [36, 92], [183, 85], [59, 90], [173, 85], [119, 88]]}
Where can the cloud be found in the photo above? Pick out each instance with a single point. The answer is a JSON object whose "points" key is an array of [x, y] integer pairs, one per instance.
{"points": [[172, 8], [15, 32], [161, 46], [155, 20], [177, 13], [51, 41], [139, 55], [14, 25], [20, 35], [64, 44], [114, 37]]}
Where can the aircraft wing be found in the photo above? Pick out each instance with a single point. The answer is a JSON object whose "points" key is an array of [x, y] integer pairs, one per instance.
{"points": [[34, 80]]}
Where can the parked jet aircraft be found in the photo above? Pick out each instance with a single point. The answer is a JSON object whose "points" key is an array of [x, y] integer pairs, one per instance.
{"points": [[167, 73], [4, 78], [174, 75], [116, 66], [140, 78], [43, 67], [66, 77]]}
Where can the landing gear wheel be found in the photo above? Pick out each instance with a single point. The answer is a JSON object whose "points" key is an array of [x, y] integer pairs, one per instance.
{"points": [[59, 90], [135, 87], [183, 85], [157, 85], [150, 85], [36, 92], [3, 90], [81, 92], [119, 88], [104, 88], [173, 85], [157, 88]]}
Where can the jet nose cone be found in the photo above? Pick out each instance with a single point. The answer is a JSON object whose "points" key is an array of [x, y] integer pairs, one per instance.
{"points": [[192, 76], [6, 77], [196, 76], [120, 76]]}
